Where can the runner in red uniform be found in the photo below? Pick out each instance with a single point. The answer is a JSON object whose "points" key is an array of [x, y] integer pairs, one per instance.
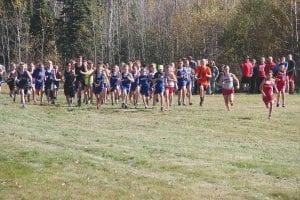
{"points": [[266, 88], [281, 84]]}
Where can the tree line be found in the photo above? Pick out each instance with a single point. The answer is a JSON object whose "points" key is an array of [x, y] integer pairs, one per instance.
{"points": [[158, 31]]}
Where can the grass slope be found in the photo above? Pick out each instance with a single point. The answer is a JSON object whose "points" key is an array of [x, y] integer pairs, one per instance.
{"points": [[52, 152]]}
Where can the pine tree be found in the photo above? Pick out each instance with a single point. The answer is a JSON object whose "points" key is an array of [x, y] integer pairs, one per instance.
{"points": [[75, 29]]}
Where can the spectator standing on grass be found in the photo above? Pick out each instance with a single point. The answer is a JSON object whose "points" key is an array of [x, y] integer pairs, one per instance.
{"points": [[227, 80], [253, 86], [246, 68], [270, 65], [214, 75], [193, 66], [261, 72], [291, 73]]}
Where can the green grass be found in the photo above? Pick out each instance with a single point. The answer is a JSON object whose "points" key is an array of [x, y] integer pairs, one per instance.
{"points": [[53, 152]]}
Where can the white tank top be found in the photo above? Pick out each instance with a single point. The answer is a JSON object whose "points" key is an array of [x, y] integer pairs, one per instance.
{"points": [[170, 83], [227, 81]]}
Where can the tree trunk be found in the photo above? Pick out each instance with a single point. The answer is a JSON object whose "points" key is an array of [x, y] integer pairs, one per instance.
{"points": [[109, 30]]}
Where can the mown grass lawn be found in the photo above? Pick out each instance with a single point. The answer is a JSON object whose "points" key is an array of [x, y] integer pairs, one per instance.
{"points": [[53, 152]]}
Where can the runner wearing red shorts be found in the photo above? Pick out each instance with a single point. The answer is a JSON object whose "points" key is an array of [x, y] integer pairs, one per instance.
{"points": [[281, 84], [170, 85], [266, 88], [203, 74], [227, 80]]}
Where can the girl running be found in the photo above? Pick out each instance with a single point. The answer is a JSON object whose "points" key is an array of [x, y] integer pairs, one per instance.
{"points": [[134, 90], [99, 76], [88, 81], [266, 87], [69, 80], [203, 73], [24, 80], [11, 81], [189, 74], [281, 84], [181, 83], [39, 79], [127, 79], [152, 71], [159, 81], [49, 83], [106, 82], [144, 83], [170, 85], [227, 80], [56, 82], [114, 79]]}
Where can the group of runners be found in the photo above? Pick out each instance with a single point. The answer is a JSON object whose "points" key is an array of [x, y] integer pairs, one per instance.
{"points": [[136, 83]]}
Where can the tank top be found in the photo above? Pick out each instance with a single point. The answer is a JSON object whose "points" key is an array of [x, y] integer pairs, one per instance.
{"points": [[114, 79], [268, 88], [170, 83], [227, 81], [281, 76], [99, 78]]}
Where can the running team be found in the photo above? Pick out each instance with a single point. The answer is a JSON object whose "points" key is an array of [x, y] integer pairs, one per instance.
{"points": [[154, 82]]}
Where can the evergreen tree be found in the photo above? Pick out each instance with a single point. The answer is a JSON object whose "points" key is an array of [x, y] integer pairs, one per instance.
{"points": [[75, 29]]}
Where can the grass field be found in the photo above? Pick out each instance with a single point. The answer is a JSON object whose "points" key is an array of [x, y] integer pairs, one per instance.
{"points": [[52, 152]]}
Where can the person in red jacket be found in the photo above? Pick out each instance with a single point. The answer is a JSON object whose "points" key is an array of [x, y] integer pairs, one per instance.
{"points": [[261, 71], [246, 68], [270, 65]]}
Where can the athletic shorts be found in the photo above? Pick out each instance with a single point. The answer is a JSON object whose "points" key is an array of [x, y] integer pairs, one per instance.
{"points": [[189, 82], [126, 88], [226, 92], [133, 87], [268, 98], [181, 84], [98, 89], [281, 86], [170, 89], [69, 91], [113, 88], [158, 90], [39, 86], [145, 92]]}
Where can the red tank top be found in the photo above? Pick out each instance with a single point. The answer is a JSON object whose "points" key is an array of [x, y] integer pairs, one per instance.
{"points": [[261, 70], [281, 76], [268, 88]]}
